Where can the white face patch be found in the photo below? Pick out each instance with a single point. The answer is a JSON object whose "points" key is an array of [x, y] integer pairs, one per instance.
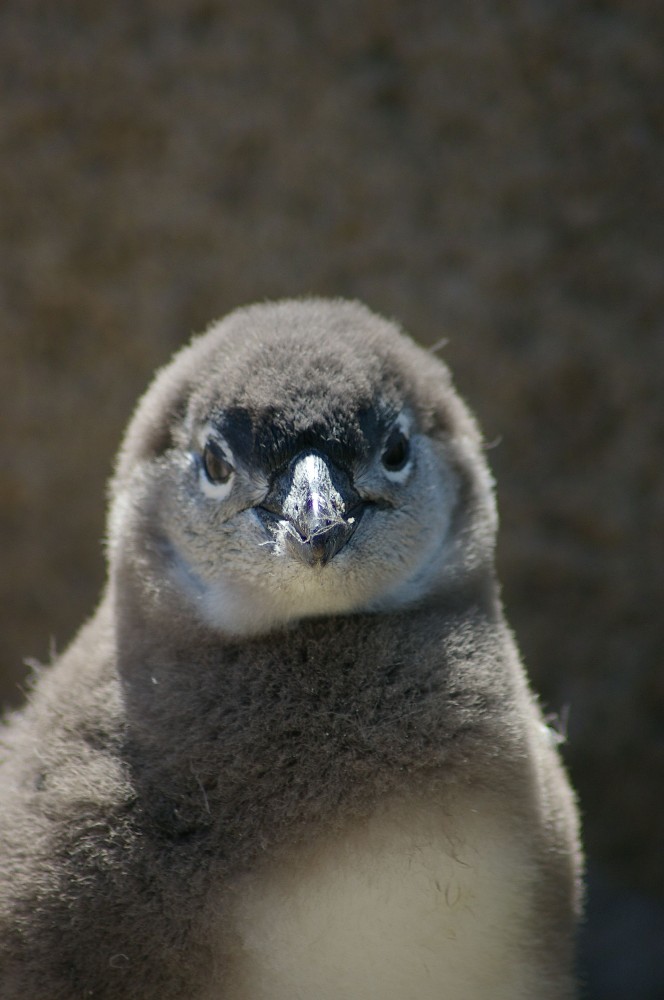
{"points": [[244, 580]]}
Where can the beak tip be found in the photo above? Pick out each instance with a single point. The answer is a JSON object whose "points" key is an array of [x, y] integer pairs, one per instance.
{"points": [[320, 548]]}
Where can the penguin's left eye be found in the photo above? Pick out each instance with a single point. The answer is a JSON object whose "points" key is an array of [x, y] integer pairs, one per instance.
{"points": [[397, 451], [217, 467]]}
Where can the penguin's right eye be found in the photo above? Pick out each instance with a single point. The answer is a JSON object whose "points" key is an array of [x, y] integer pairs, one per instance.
{"points": [[396, 452], [216, 465]]}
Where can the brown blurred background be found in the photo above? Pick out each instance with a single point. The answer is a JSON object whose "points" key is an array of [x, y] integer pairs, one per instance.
{"points": [[486, 171]]}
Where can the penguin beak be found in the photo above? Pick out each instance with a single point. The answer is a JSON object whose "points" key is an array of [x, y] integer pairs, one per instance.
{"points": [[317, 503]]}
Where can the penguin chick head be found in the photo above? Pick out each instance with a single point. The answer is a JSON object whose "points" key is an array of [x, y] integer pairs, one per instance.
{"points": [[299, 459]]}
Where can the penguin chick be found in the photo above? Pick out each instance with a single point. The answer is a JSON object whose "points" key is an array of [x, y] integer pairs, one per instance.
{"points": [[293, 756]]}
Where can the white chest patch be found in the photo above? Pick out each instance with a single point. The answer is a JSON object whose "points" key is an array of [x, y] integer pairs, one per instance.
{"points": [[409, 905]]}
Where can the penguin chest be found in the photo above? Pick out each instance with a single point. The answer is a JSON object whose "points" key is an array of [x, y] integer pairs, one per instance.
{"points": [[412, 904]]}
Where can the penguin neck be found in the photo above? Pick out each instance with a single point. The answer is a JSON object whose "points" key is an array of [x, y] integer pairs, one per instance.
{"points": [[384, 697], [154, 625], [164, 656]]}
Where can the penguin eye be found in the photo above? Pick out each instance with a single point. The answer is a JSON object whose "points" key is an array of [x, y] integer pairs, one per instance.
{"points": [[397, 450], [217, 467]]}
